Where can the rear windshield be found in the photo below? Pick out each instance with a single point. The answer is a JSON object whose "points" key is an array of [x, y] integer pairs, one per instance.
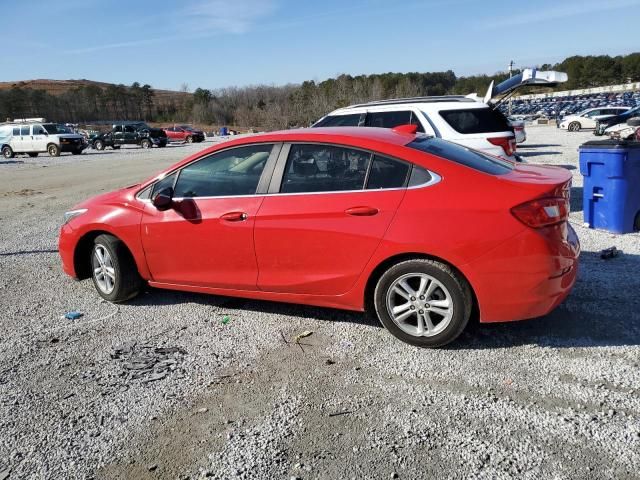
{"points": [[462, 155], [351, 120], [476, 120]]}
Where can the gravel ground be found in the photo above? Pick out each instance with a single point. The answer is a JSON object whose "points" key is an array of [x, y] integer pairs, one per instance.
{"points": [[176, 385]]}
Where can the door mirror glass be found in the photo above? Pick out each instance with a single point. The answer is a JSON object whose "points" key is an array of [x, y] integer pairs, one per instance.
{"points": [[163, 200]]}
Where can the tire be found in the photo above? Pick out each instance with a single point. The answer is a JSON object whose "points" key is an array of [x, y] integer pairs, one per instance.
{"points": [[116, 147], [574, 127], [189, 139], [441, 284], [98, 145], [33, 154], [145, 143], [115, 277], [7, 152], [53, 150], [634, 122]]}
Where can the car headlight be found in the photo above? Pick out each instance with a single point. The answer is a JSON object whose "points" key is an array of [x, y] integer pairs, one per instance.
{"points": [[73, 214]]}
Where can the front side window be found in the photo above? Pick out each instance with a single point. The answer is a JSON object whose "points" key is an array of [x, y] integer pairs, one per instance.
{"points": [[51, 128], [38, 130], [323, 168], [118, 129], [167, 181], [235, 171], [351, 120]]}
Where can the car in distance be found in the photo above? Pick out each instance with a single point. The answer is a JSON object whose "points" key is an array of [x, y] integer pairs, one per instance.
{"points": [[184, 133], [588, 118], [34, 138], [384, 220], [603, 124], [130, 133]]}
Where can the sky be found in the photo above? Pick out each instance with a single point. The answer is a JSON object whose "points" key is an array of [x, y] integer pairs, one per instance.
{"points": [[223, 43]]}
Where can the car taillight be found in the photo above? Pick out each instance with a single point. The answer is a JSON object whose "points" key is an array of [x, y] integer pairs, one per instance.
{"points": [[508, 144], [542, 212]]}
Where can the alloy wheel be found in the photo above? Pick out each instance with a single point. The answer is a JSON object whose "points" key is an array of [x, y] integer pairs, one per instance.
{"points": [[419, 305], [103, 270]]}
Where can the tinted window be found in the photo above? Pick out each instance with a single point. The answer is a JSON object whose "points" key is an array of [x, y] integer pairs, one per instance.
{"points": [[117, 128], [387, 173], [462, 155], [24, 130], [38, 130], [340, 121], [419, 176], [129, 129], [231, 172], [388, 119], [167, 181], [16, 131], [476, 120], [322, 168]]}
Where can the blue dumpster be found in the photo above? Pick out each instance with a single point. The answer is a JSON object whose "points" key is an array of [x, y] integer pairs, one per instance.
{"points": [[611, 194]]}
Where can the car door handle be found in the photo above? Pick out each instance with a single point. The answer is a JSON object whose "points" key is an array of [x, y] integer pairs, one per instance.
{"points": [[361, 211], [234, 216]]}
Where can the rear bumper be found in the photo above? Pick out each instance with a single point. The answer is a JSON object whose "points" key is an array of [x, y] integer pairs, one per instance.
{"points": [[528, 277]]}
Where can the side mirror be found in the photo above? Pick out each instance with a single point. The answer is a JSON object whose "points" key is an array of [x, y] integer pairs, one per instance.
{"points": [[163, 200]]}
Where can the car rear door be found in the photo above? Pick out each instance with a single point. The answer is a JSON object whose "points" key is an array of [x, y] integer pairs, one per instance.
{"points": [[319, 226], [206, 238], [21, 141]]}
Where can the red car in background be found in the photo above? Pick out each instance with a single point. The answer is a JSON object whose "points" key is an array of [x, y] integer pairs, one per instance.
{"points": [[184, 133], [419, 231]]}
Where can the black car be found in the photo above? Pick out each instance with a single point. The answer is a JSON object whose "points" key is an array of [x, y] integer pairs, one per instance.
{"points": [[130, 133], [603, 124]]}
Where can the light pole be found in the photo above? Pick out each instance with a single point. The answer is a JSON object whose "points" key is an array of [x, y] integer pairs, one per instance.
{"points": [[510, 75]]}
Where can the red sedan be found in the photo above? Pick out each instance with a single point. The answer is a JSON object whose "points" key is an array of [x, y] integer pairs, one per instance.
{"points": [[419, 231]]}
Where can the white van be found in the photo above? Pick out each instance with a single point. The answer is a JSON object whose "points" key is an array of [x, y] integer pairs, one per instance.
{"points": [[34, 138]]}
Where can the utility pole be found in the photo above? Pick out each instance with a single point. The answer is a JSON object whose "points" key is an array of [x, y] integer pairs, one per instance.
{"points": [[510, 75]]}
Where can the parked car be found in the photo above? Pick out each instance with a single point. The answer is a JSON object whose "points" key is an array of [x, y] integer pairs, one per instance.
{"points": [[34, 138], [468, 120], [605, 123], [388, 221], [130, 133], [184, 133], [588, 118], [518, 129]]}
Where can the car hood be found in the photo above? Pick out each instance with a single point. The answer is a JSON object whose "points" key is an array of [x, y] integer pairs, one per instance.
{"points": [[70, 135], [115, 196]]}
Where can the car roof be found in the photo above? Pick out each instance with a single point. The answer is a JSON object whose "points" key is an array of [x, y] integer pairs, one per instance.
{"points": [[392, 106], [350, 135]]}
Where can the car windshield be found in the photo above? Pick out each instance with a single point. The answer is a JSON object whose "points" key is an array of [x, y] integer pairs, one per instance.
{"points": [[187, 127], [462, 155], [52, 128], [64, 129], [141, 126]]}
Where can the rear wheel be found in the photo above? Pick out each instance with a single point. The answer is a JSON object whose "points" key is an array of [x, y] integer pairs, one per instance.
{"points": [[7, 152], [145, 143], [189, 139], [98, 145], [574, 126], [423, 302], [33, 154], [114, 271], [53, 150]]}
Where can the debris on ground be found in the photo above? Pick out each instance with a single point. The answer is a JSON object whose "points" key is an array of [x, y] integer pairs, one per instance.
{"points": [[147, 363], [226, 319], [329, 361], [300, 336], [73, 315], [609, 253]]}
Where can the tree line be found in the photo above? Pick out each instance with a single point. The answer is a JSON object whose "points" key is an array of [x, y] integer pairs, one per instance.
{"points": [[273, 107]]}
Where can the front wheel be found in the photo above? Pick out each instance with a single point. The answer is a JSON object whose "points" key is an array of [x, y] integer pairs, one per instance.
{"points": [[574, 127], [423, 302], [114, 271], [145, 143], [53, 150], [189, 139]]}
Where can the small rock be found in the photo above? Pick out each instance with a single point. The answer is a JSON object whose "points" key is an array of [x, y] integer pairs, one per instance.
{"points": [[394, 475], [203, 410], [153, 467]]}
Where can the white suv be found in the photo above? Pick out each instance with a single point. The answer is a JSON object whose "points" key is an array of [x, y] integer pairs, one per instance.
{"points": [[33, 138], [456, 118], [467, 120]]}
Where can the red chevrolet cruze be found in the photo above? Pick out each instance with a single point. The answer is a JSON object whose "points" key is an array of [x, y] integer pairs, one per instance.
{"points": [[415, 229]]}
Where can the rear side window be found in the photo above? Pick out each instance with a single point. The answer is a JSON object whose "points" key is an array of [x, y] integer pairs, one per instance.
{"points": [[393, 119], [24, 130], [16, 130], [323, 168], [476, 120], [462, 155], [387, 173], [351, 120]]}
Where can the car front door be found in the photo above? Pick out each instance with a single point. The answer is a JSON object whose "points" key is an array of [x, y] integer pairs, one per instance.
{"points": [[206, 238], [130, 135], [319, 225], [38, 138], [118, 135]]}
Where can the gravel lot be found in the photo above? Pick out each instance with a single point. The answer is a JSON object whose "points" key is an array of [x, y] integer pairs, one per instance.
{"points": [[176, 385]]}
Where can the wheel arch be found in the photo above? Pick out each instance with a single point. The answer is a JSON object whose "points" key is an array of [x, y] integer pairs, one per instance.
{"points": [[83, 248], [384, 265]]}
